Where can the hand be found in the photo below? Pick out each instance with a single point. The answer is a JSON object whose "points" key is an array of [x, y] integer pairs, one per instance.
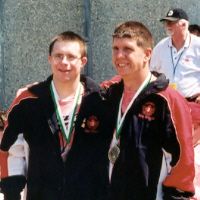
{"points": [[12, 186], [171, 193]]}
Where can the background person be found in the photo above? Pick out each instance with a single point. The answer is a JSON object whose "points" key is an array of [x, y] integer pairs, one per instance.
{"points": [[178, 57], [194, 29]]}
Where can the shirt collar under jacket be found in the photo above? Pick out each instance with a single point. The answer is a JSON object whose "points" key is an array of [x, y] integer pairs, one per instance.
{"points": [[187, 41]]}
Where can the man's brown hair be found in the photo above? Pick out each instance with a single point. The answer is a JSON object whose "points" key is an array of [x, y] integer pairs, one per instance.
{"points": [[136, 31], [69, 36]]}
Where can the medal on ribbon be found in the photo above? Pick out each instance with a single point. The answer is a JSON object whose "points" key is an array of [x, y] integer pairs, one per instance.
{"points": [[66, 131], [114, 150], [113, 154]]}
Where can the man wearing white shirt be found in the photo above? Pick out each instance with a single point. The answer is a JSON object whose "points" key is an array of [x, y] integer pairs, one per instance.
{"points": [[178, 57]]}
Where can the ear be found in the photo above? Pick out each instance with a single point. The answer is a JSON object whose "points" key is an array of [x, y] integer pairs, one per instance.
{"points": [[184, 24], [49, 59], [84, 61], [148, 52]]}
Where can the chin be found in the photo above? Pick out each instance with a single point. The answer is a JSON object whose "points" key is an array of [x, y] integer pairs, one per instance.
{"points": [[66, 77], [169, 33], [67, 80], [123, 73]]}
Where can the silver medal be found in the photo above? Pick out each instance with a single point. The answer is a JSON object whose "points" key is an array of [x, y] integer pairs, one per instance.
{"points": [[113, 153]]}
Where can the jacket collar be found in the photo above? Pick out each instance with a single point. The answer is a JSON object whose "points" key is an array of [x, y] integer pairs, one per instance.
{"points": [[46, 104], [42, 88], [156, 86]]}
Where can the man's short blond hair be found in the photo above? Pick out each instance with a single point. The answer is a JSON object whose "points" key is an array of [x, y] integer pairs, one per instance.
{"points": [[135, 30]]}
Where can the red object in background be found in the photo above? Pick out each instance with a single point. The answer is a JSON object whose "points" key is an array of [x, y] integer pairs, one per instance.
{"points": [[195, 112]]}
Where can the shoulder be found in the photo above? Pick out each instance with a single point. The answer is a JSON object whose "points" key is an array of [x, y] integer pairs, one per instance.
{"points": [[195, 41], [165, 41], [160, 49], [194, 37], [27, 95], [174, 98], [114, 92], [90, 86], [171, 93], [24, 89], [23, 95], [29, 91]]}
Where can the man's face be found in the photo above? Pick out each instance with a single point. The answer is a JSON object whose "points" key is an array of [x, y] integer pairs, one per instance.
{"points": [[171, 27], [66, 61], [127, 57]]}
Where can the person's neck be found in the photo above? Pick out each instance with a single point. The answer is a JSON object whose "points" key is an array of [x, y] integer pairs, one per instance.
{"points": [[66, 89], [178, 41], [134, 82]]}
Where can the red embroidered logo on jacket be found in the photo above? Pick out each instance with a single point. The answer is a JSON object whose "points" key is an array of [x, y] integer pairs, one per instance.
{"points": [[148, 110], [91, 124]]}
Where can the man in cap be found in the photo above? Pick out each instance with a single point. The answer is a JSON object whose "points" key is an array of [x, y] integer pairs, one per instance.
{"points": [[178, 57]]}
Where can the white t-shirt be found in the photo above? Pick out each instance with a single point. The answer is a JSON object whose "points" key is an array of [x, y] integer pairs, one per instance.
{"points": [[182, 67]]}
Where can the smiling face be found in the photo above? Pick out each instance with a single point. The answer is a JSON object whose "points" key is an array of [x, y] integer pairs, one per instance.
{"points": [[131, 50], [66, 61], [128, 58]]}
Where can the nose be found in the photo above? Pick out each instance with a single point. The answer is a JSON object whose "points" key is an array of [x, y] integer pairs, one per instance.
{"points": [[119, 53], [65, 60]]}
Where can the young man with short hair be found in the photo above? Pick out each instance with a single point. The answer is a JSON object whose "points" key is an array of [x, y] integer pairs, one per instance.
{"points": [[66, 123], [152, 121]]}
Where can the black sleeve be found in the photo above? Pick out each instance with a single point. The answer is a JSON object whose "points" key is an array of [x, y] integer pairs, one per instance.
{"points": [[12, 186], [175, 194], [169, 140], [14, 126]]}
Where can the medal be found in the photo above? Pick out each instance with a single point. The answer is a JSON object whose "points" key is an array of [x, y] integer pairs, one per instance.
{"points": [[113, 153], [66, 131], [114, 150]]}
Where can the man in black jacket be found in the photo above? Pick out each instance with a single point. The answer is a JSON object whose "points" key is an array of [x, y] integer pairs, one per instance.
{"points": [[66, 124], [152, 121]]}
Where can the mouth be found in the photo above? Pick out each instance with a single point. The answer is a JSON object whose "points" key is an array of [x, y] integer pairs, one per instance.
{"points": [[122, 68], [64, 70], [122, 65]]}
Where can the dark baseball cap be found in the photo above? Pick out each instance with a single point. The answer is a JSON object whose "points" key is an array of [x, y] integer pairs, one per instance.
{"points": [[175, 14]]}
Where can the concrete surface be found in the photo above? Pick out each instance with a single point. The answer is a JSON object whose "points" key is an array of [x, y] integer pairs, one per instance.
{"points": [[28, 25]]}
